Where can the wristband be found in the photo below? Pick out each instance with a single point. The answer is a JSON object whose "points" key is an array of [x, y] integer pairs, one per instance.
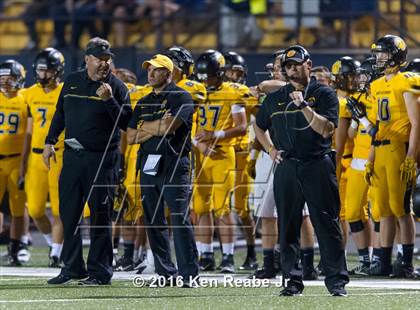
{"points": [[219, 134], [270, 148], [365, 122], [303, 105], [354, 124], [253, 154]]}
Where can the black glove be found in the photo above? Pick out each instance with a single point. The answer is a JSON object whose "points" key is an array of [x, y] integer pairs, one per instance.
{"points": [[357, 109]]}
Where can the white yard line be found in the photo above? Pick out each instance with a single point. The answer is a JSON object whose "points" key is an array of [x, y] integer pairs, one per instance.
{"points": [[28, 273]]}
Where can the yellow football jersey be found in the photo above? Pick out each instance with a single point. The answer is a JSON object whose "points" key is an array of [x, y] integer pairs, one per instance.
{"points": [[13, 121], [198, 93], [390, 108], [242, 142], [343, 112], [216, 113], [414, 82], [136, 93], [362, 141], [42, 108]]}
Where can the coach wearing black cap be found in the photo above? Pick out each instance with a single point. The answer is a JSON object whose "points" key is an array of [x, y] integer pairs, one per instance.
{"points": [[161, 123], [92, 108], [301, 118]]}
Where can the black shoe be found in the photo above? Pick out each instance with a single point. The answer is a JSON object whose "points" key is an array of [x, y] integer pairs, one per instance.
{"points": [[93, 282], [62, 279], [339, 291], [124, 264], [54, 262], [249, 264], [262, 273], [227, 265], [207, 262], [13, 261], [291, 290], [376, 269], [310, 274], [361, 270], [402, 270], [192, 284]]}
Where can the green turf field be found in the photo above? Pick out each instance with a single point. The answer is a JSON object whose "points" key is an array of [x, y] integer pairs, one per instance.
{"points": [[31, 293]]}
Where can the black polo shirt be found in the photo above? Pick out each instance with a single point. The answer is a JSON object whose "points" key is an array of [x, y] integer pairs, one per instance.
{"points": [[84, 116], [287, 125], [153, 106]]}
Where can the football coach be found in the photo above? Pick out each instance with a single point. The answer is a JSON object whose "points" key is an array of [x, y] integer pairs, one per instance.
{"points": [[301, 117], [161, 123], [92, 108]]}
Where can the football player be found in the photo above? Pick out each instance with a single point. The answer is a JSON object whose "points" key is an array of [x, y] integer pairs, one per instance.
{"points": [[361, 130], [42, 98], [221, 119], [392, 160], [343, 77], [235, 72], [13, 121]]}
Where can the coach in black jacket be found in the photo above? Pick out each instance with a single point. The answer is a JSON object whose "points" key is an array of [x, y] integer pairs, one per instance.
{"points": [[93, 106]]}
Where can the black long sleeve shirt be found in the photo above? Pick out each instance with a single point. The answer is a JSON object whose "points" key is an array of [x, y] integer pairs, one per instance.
{"points": [[288, 127], [85, 116]]}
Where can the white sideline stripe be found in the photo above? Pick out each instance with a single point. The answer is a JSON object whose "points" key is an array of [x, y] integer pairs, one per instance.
{"points": [[36, 273], [151, 297]]}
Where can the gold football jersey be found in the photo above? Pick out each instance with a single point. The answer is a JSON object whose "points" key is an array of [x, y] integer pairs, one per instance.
{"points": [[242, 142], [13, 122], [42, 108], [198, 93], [389, 106], [362, 141], [216, 113], [343, 112]]}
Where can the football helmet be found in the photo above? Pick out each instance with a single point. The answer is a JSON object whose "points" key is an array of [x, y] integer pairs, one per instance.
{"points": [[413, 66], [394, 47], [49, 59], [14, 69], [181, 58], [343, 73], [236, 62], [209, 64]]}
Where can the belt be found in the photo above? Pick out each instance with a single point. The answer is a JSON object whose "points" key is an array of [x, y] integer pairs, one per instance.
{"points": [[347, 156], [380, 142], [8, 156], [40, 151]]}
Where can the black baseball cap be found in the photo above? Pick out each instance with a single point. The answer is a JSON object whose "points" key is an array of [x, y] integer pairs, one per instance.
{"points": [[295, 53], [98, 48]]}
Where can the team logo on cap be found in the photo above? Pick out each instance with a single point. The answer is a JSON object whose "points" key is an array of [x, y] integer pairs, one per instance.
{"points": [[220, 59], [336, 67], [291, 53]]}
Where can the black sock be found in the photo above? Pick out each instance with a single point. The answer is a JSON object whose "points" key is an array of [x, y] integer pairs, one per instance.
{"points": [[14, 247], [376, 255], [268, 260], [307, 258], [129, 249], [408, 254], [116, 242], [364, 256], [251, 251], [386, 254]]}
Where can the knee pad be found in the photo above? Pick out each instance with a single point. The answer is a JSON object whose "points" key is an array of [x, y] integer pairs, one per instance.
{"points": [[376, 226], [356, 227]]}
